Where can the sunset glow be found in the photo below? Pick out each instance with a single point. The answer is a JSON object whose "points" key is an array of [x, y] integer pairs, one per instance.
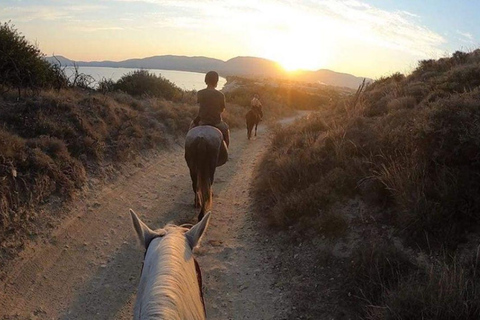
{"points": [[363, 37], [293, 45]]}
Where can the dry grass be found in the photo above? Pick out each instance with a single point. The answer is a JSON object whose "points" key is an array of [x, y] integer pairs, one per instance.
{"points": [[408, 146], [51, 141], [424, 154], [393, 287]]}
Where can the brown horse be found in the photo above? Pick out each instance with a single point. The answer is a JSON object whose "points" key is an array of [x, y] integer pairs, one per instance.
{"points": [[253, 117], [204, 151]]}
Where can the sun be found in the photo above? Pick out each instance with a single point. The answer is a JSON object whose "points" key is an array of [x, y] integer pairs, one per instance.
{"points": [[296, 50], [291, 64], [301, 60], [297, 41]]}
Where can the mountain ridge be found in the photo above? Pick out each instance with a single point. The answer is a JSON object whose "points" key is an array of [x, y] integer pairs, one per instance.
{"points": [[245, 66]]}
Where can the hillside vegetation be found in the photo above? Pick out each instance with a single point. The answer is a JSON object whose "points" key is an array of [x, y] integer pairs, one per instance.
{"points": [[57, 132], [277, 94], [51, 141], [396, 165], [22, 65]]}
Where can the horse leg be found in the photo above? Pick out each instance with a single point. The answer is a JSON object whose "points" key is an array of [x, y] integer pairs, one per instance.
{"points": [[249, 131], [207, 204], [213, 166], [256, 125], [193, 176]]}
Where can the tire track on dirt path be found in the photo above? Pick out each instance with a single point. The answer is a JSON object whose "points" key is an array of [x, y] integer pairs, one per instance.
{"points": [[236, 259], [89, 267]]}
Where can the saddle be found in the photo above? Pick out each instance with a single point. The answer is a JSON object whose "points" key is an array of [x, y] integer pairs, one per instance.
{"points": [[222, 126], [258, 111]]}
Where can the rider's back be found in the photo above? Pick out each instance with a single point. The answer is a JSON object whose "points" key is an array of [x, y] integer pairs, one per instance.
{"points": [[212, 104]]}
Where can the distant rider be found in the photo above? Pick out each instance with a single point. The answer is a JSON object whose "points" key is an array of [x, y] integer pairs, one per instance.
{"points": [[212, 104], [256, 105]]}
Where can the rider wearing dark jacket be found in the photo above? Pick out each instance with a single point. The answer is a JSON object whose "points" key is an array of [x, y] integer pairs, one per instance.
{"points": [[212, 104]]}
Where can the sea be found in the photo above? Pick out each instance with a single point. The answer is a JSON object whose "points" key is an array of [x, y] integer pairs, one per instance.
{"points": [[183, 79]]}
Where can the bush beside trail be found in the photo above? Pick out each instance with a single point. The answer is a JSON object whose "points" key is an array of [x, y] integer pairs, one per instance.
{"points": [[52, 141], [407, 148], [142, 82]]}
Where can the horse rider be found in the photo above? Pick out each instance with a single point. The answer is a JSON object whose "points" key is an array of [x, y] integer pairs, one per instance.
{"points": [[212, 104], [256, 105]]}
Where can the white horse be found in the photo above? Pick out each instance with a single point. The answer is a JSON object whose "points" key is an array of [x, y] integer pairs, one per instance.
{"points": [[170, 283]]}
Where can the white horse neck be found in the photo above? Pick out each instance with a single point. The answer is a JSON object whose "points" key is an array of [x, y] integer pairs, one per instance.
{"points": [[169, 287]]}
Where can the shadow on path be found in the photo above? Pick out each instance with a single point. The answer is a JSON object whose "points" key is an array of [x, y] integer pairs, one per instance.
{"points": [[110, 291]]}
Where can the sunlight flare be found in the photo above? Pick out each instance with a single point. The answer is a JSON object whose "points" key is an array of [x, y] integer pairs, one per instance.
{"points": [[297, 41]]}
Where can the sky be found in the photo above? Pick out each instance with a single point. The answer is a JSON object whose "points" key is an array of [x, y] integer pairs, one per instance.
{"points": [[370, 38]]}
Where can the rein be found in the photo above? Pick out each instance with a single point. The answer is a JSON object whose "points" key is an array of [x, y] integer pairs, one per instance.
{"points": [[200, 284], [198, 271]]}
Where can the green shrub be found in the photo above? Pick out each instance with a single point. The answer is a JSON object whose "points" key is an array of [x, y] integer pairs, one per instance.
{"points": [[142, 82]]}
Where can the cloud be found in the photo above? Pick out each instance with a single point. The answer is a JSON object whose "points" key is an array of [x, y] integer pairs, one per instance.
{"points": [[45, 12], [398, 30], [466, 37], [351, 19], [87, 28]]}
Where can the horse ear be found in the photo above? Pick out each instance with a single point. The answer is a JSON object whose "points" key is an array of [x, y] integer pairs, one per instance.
{"points": [[145, 234], [195, 233]]}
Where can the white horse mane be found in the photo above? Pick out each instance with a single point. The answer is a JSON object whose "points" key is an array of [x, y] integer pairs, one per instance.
{"points": [[169, 286]]}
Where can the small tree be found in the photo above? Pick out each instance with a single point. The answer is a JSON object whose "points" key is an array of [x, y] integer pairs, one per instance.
{"points": [[22, 65]]}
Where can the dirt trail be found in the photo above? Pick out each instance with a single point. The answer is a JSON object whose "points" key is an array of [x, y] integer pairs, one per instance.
{"points": [[89, 267]]}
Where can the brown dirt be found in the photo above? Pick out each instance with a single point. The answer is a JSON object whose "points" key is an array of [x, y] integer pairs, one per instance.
{"points": [[89, 266]]}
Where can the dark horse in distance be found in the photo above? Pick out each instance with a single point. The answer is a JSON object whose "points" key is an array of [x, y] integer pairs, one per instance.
{"points": [[253, 117], [204, 151]]}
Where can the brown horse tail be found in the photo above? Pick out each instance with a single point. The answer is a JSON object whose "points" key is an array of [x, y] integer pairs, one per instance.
{"points": [[204, 185]]}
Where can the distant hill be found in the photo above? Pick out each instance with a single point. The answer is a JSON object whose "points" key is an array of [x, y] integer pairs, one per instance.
{"points": [[181, 63], [329, 77], [239, 66], [251, 66]]}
